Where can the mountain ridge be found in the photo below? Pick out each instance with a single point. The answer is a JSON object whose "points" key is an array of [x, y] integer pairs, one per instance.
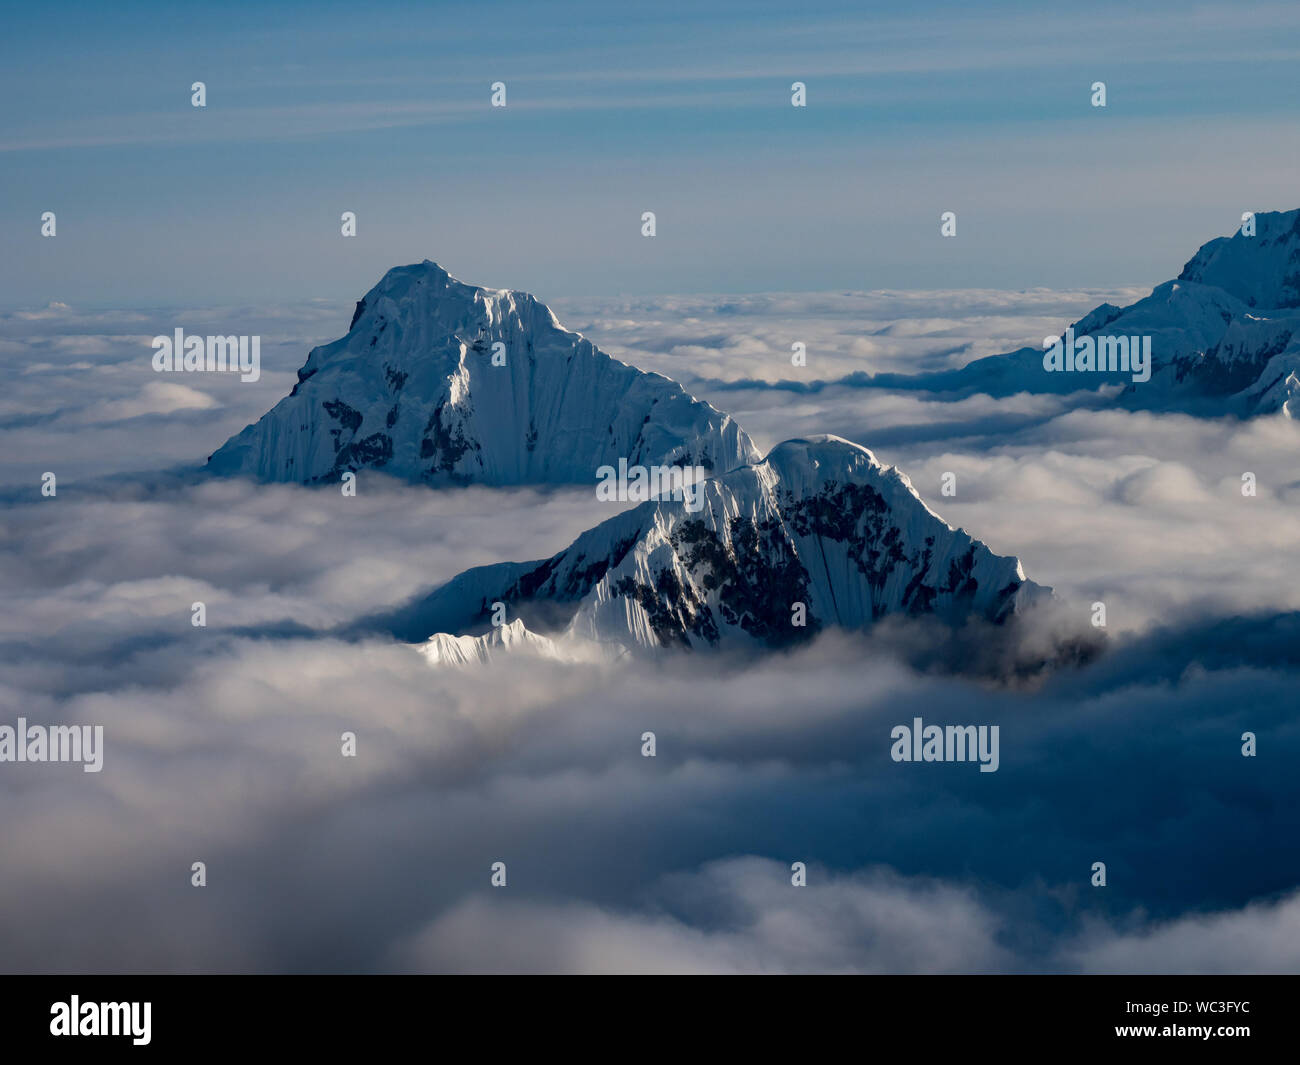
{"points": [[1225, 336], [441, 382], [818, 534]]}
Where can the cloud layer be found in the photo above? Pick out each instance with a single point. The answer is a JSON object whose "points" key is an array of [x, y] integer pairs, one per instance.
{"points": [[223, 743]]}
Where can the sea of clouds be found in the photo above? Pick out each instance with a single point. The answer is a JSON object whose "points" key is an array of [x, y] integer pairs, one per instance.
{"points": [[222, 744]]}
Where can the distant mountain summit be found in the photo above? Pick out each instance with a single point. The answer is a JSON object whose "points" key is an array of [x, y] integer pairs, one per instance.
{"points": [[443, 649], [1225, 336], [442, 382], [818, 534], [1262, 271]]}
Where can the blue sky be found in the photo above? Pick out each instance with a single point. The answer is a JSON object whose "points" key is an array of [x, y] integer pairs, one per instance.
{"points": [[682, 109]]}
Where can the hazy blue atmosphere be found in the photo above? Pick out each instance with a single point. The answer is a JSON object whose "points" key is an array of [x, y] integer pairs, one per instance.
{"points": [[678, 108]]}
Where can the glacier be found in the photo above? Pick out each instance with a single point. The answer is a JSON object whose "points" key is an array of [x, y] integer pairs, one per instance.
{"points": [[818, 534], [442, 382]]}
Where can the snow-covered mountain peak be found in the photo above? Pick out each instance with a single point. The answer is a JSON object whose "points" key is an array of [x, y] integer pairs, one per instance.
{"points": [[440, 381], [821, 448], [444, 649], [818, 534], [1221, 338], [807, 465], [1261, 270], [426, 291]]}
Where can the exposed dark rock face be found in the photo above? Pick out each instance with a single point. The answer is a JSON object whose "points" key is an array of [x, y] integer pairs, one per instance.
{"points": [[818, 535]]}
